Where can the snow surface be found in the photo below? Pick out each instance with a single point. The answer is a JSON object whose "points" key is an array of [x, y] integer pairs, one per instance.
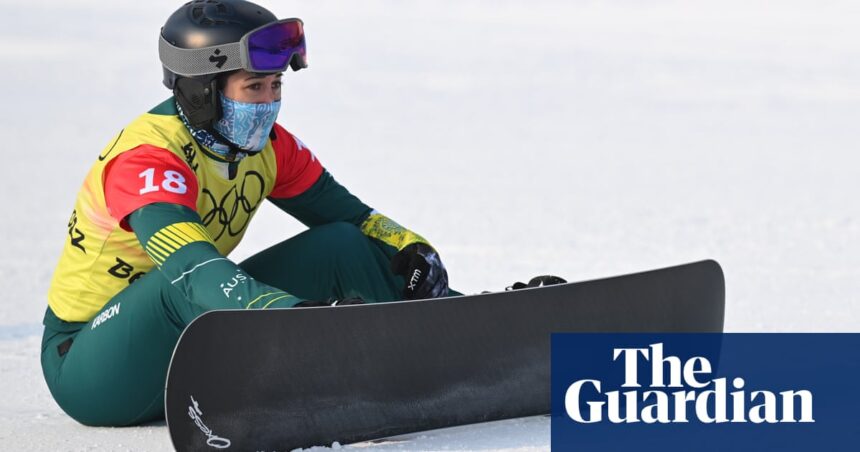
{"points": [[582, 138]]}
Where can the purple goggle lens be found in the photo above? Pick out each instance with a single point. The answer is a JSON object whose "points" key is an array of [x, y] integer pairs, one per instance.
{"points": [[277, 45]]}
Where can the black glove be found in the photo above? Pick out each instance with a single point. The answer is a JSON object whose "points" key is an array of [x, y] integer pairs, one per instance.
{"points": [[425, 275], [329, 302]]}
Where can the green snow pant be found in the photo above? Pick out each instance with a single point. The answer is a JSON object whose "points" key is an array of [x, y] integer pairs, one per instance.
{"points": [[113, 373]]}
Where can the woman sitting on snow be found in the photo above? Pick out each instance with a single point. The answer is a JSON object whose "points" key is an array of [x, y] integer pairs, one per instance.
{"points": [[170, 197]]}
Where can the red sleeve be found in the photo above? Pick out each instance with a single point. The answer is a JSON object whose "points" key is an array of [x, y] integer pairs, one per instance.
{"points": [[146, 175], [298, 167]]}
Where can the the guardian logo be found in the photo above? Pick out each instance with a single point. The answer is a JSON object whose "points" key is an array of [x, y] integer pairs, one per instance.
{"points": [[688, 395]]}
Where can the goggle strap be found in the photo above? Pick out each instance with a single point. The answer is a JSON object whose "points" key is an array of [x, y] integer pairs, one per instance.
{"points": [[202, 61]]}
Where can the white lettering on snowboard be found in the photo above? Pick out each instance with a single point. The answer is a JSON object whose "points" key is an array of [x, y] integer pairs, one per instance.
{"points": [[212, 440]]}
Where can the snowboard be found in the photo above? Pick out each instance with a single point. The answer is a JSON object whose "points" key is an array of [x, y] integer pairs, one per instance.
{"points": [[265, 380]]}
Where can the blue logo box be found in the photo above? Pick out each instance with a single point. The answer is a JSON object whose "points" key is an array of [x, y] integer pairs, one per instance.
{"points": [[706, 392]]}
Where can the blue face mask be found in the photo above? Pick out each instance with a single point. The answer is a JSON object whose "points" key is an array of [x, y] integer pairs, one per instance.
{"points": [[247, 125]]}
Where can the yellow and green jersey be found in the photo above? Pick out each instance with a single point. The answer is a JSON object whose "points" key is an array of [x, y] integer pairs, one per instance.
{"points": [[155, 159]]}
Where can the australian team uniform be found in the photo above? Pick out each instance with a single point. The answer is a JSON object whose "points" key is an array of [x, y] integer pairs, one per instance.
{"points": [[145, 255]]}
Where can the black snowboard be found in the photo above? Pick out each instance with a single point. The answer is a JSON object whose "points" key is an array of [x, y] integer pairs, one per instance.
{"points": [[287, 378]]}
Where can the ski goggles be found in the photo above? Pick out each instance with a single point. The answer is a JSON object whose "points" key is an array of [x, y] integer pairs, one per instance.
{"points": [[267, 49]]}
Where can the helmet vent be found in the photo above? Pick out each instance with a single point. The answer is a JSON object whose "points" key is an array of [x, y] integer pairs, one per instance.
{"points": [[202, 13]]}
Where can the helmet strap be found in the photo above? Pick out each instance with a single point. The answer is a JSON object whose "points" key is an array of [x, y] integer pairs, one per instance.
{"points": [[198, 98], [199, 101]]}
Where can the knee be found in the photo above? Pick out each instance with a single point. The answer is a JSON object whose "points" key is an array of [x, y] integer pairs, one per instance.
{"points": [[345, 244]]}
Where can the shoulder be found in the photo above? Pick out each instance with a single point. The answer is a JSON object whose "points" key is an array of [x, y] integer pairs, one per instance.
{"points": [[160, 126], [297, 167], [148, 164], [156, 140], [284, 141], [145, 175], [166, 108], [157, 130]]}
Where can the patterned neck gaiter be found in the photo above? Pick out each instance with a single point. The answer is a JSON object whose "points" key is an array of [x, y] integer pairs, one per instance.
{"points": [[246, 125]]}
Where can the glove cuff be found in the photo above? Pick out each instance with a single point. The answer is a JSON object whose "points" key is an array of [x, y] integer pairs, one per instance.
{"points": [[386, 230]]}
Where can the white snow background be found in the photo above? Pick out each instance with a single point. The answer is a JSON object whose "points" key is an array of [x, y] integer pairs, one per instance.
{"points": [[581, 138]]}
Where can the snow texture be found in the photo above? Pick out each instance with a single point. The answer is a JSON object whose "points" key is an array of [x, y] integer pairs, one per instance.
{"points": [[581, 138]]}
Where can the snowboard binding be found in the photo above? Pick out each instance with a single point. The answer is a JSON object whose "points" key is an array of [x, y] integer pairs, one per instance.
{"points": [[330, 302], [537, 281]]}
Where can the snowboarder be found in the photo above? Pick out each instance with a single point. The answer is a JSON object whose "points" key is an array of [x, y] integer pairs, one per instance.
{"points": [[172, 194]]}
